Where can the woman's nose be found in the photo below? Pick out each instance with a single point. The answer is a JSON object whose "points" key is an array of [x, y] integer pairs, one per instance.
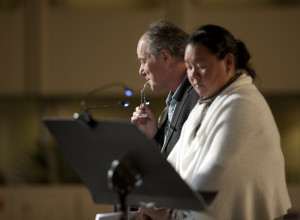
{"points": [[192, 74]]}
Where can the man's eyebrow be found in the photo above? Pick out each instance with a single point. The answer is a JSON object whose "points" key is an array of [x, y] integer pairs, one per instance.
{"points": [[141, 59]]}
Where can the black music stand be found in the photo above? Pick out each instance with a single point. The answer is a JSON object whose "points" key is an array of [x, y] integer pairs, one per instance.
{"points": [[117, 155]]}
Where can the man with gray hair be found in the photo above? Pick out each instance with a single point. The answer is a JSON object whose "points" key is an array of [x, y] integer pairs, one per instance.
{"points": [[161, 53]]}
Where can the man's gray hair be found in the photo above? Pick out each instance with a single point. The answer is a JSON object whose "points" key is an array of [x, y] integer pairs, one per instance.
{"points": [[165, 35]]}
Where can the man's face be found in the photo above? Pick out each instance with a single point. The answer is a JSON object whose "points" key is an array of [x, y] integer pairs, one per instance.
{"points": [[153, 69]]}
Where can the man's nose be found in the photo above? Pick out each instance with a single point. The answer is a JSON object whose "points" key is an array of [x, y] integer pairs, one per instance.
{"points": [[141, 71]]}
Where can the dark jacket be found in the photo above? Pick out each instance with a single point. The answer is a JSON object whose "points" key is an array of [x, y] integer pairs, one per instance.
{"points": [[186, 100]]}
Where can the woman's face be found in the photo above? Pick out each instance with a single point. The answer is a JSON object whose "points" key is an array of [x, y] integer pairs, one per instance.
{"points": [[206, 72]]}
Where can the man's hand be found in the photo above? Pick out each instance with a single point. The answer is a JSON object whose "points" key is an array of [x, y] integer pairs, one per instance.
{"points": [[147, 124]]}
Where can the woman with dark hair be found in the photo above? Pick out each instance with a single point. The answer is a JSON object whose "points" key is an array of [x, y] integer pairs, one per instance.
{"points": [[230, 142]]}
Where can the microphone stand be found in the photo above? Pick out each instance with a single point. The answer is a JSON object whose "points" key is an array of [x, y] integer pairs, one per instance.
{"points": [[123, 177]]}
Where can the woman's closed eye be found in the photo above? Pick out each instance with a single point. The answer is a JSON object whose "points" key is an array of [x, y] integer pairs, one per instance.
{"points": [[201, 67]]}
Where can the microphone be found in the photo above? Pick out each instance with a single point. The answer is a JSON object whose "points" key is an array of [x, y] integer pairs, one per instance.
{"points": [[122, 103], [85, 115], [128, 92]]}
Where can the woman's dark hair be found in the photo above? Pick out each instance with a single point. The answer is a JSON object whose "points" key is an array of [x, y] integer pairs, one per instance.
{"points": [[221, 42]]}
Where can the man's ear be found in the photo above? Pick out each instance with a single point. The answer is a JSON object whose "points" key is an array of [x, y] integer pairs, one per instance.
{"points": [[166, 55]]}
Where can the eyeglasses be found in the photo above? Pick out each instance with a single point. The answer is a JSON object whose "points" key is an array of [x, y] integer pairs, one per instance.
{"points": [[143, 113]]}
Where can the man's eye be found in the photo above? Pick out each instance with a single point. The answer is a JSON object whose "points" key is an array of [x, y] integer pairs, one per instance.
{"points": [[144, 61], [188, 67]]}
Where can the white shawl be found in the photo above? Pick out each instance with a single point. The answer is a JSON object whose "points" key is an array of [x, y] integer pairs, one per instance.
{"points": [[236, 151]]}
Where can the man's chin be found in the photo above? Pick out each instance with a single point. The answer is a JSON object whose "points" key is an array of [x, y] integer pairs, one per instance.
{"points": [[156, 87]]}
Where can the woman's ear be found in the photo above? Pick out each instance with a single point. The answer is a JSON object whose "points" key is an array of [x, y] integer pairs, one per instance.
{"points": [[229, 62]]}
